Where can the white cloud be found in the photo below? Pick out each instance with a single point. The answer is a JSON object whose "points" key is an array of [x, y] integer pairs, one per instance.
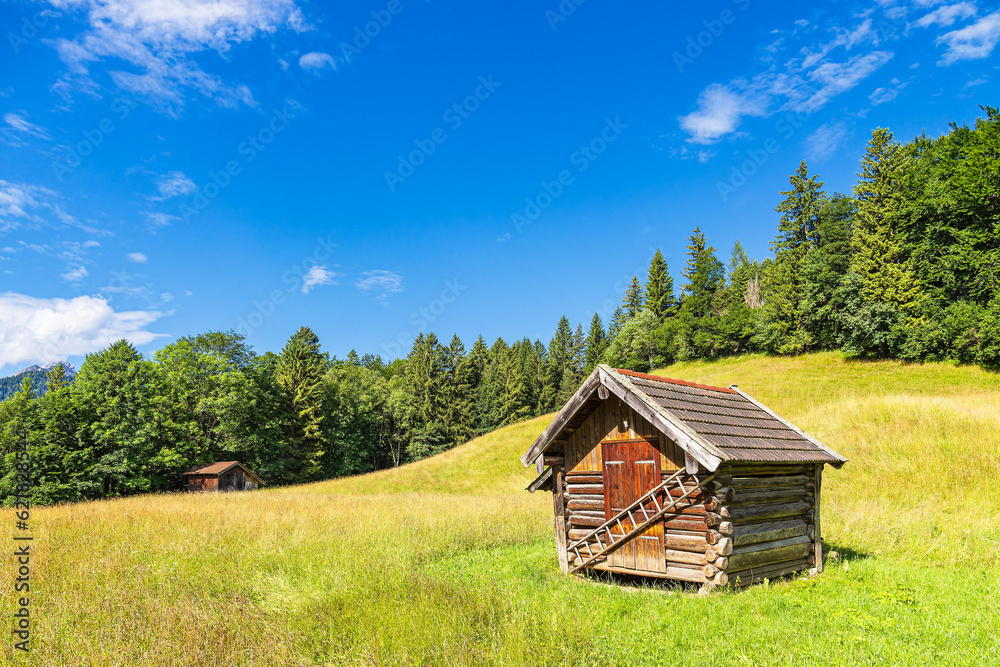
{"points": [[39, 330], [826, 139], [845, 38], [33, 206], [886, 93], [75, 275], [720, 111], [972, 42], [316, 62], [174, 184], [316, 276], [722, 108], [157, 220], [21, 124], [837, 78], [157, 43], [947, 15], [137, 257], [806, 80], [17, 203], [381, 283]]}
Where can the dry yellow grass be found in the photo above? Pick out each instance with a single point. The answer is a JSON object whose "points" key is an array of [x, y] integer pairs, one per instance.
{"points": [[448, 561]]}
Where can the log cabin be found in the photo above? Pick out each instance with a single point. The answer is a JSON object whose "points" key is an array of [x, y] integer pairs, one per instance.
{"points": [[223, 476], [665, 478]]}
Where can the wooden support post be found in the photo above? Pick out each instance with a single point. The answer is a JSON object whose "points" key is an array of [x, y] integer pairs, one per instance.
{"points": [[691, 464], [559, 507], [818, 534]]}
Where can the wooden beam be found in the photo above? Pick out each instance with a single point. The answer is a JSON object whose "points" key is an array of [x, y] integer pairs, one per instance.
{"points": [[560, 421], [816, 517], [706, 454], [559, 507], [540, 481], [691, 464]]}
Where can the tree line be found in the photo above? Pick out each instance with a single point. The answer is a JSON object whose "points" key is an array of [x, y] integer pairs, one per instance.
{"points": [[906, 266]]}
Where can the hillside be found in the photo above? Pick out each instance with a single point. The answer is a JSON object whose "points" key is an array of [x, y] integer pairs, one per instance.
{"points": [[10, 384], [449, 561]]}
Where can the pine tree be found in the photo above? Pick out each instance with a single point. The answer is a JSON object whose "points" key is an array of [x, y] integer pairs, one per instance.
{"points": [[633, 298], [797, 227], [559, 359], [880, 258], [617, 322], [659, 296], [577, 361], [460, 396], [299, 376], [823, 270], [704, 274], [782, 322], [595, 345], [695, 249]]}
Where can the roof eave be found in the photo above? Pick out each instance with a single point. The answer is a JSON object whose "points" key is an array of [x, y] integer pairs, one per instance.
{"points": [[840, 459], [562, 418]]}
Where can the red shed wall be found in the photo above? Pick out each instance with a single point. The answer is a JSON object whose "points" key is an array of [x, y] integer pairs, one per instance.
{"points": [[203, 483]]}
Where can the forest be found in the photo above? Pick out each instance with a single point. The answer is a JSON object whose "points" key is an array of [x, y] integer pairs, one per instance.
{"points": [[906, 266]]}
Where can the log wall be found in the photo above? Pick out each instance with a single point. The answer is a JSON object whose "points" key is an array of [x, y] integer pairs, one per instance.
{"points": [[770, 517]]}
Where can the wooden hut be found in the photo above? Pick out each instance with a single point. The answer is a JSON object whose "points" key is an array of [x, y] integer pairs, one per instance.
{"points": [[665, 478], [223, 476]]}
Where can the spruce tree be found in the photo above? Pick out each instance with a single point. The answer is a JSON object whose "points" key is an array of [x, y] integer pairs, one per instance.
{"points": [[460, 396], [659, 297], [595, 345], [299, 377], [823, 270], [880, 258], [704, 273], [560, 357], [695, 249], [782, 323], [633, 298], [797, 227], [617, 322]]}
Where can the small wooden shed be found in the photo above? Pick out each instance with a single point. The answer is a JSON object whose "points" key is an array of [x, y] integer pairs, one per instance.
{"points": [[223, 476], [665, 478]]}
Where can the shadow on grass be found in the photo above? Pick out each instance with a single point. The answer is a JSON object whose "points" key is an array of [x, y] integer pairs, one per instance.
{"points": [[635, 582], [834, 553]]}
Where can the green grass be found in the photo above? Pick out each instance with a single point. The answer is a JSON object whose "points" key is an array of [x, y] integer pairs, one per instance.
{"points": [[448, 561]]}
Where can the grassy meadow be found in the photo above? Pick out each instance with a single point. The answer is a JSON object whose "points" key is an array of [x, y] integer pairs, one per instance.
{"points": [[449, 562]]}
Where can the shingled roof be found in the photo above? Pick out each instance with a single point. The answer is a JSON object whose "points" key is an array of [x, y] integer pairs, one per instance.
{"points": [[712, 424]]}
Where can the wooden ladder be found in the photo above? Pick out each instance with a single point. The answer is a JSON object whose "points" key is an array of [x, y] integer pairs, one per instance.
{"points": [[612, 541]]}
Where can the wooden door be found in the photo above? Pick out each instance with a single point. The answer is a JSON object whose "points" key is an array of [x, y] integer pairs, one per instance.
{"points": [[631, 469]]}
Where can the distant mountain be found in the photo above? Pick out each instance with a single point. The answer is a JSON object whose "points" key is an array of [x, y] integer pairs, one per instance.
{"points": [[9, 385], [70, 370]]}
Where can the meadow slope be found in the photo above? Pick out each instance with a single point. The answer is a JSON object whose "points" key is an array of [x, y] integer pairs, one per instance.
{"points": [[448, 561]]}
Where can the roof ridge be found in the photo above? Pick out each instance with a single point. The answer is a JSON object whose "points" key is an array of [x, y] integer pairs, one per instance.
{"points": [[685, 383]]}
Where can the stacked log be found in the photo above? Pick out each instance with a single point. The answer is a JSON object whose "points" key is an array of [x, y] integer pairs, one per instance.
{"points": [[767, 523]]}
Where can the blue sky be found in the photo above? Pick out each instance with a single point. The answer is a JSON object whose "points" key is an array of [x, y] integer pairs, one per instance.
{"points": [[371, 169]]}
